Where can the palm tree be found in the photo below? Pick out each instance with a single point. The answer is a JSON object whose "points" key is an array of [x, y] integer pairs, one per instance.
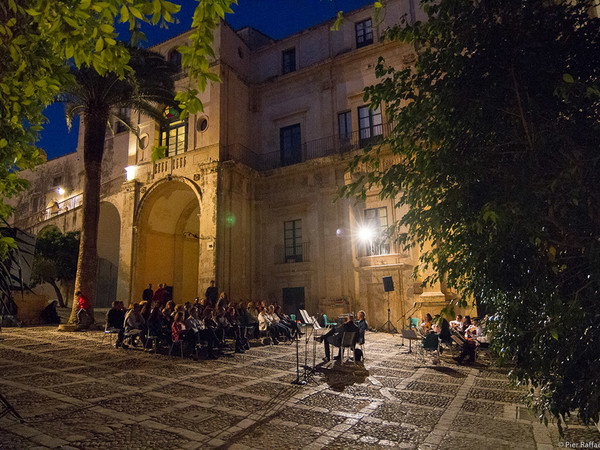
{"points": [[99, 100]]}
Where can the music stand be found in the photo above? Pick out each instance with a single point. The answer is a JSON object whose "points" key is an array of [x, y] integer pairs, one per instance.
{"points": [[411, 335]]}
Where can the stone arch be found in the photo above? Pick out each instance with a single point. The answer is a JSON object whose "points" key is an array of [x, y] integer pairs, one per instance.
{"points": [[167, 224], [47, 228], [109, 233]]}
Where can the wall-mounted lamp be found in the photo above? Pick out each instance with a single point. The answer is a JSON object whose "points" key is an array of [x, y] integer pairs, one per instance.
{"points": [[130, 172], [60, 191]]}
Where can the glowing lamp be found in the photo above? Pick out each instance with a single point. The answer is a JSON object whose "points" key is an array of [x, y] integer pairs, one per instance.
{"points": [[60, 191], [130, 172], [366, 233]]}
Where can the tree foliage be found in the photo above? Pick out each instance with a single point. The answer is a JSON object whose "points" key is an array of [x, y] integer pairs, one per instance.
{"points": [[498, 126], [55, 260], [38, 37]]}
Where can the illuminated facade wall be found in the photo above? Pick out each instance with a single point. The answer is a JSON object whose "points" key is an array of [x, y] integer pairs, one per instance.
{"points": [[247, 193]]}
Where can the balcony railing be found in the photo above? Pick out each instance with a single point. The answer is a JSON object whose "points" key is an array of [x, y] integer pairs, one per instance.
{"points": [[379, 248], [286, 255], [167, 166], [64, 206], [318, 148]]}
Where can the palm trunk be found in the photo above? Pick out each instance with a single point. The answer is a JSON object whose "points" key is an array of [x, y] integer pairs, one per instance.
{"points": [[93, 148]]}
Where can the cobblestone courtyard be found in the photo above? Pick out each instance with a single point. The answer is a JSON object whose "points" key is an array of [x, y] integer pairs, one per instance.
{"points": [[76, 392]]}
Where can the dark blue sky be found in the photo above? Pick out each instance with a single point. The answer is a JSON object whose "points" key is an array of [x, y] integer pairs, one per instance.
{"points": [[277, 18]]}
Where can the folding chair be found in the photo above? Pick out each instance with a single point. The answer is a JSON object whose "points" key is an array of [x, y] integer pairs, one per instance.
{"points": [[173, 343], [431, 343], [327, 323], [109, 331], [348, 342]]}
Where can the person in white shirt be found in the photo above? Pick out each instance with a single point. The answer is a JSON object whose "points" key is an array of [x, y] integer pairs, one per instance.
{"points": [[265, 323], [457, 324]]}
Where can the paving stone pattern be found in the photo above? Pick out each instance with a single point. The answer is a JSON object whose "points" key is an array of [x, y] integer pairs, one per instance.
{"points": [[76, 391]]}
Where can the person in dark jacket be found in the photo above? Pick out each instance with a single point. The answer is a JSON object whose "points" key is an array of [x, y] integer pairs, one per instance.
{"points": [[335, 335], [148, 294], [49, 313], [115, 319]]}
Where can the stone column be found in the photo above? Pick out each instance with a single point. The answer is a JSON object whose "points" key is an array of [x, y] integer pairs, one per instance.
{"points": [[130, 197]]}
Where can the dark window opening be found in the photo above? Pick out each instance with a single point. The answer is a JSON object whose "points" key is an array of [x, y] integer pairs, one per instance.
{"points": [[290, 145], [370, 125], [364, 33], [292, 240], [288, 61]]}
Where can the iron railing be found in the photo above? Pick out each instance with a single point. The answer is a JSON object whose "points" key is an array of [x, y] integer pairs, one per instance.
{"points": [[318, 148], [66, 205], [286, 255]]}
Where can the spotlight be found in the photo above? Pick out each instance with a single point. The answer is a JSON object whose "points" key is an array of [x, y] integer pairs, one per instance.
{"points": [[339, 232], [60, 191]]}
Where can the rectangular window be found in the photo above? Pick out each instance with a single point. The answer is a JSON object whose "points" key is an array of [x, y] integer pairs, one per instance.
{"points": [[288, 61], [57, 180], [174, 138], [370, 124], [292, 240], [345, 125], [364, 33], [35, 204], [119, 126], [290, 145], [377, 221]]}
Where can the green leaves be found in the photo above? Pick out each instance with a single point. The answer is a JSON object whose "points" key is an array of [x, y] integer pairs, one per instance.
{"points": [[495, 130]]}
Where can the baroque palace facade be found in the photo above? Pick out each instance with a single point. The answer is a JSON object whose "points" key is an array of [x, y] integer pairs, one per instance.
{"points": [[247, 193]]}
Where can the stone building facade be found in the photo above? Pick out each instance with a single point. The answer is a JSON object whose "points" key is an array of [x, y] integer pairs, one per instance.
{"points": [[248, 192]]}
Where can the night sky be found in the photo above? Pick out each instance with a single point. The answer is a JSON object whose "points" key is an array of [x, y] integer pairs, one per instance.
{"points": [[276, 18]]}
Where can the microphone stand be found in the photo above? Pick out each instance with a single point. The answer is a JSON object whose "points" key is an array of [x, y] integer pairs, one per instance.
{"points": [[298, 381], [408, 313]]}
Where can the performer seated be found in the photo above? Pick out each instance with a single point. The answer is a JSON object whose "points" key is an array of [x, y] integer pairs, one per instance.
{"points": [[335, 335]]}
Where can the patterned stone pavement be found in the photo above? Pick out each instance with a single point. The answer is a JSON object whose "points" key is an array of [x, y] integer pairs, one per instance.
{"points": [[75, 391]]}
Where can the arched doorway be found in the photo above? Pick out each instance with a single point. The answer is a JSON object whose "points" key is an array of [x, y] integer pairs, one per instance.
{"points": [[107, 273], [167, 241]]}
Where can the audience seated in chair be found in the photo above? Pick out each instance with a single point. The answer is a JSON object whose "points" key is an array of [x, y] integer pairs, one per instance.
{"points": [[134, 324], [115, 319], [334, 336]]}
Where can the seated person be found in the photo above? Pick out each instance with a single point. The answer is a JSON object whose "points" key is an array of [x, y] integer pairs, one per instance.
{"points": [[178, 330], [444, 335], [457, 324], [49, 313], [286, 320], [157, 325], [198, 332], [134, 324], [252, 324], [167, 313], [362, 327], [282, 330], [115, 319], [211, 325], [427, 324], [265, 323], [84, 316], [476, 332], [335, 335]]}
